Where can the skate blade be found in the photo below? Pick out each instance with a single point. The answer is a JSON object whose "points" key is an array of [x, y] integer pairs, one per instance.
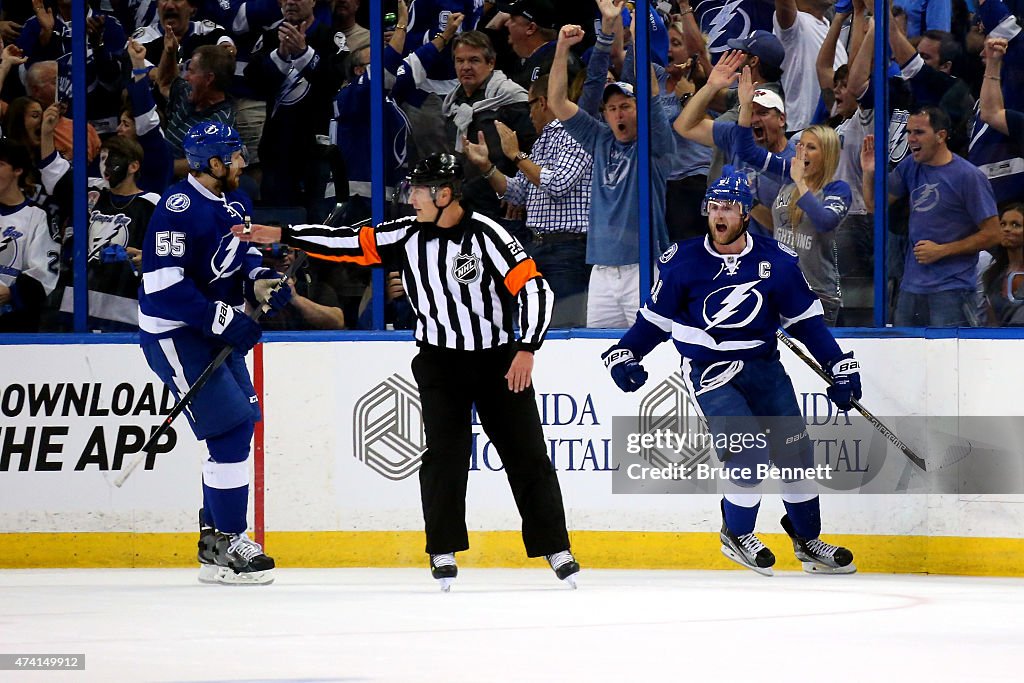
{"points": [[763, 571], [225, 576], [570, 581], [815, 568], [446, 584]]}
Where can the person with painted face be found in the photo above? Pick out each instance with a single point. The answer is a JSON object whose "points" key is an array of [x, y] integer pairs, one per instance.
{"points": [[467, 279], [119, 214], [721, 299], [194, 274]]}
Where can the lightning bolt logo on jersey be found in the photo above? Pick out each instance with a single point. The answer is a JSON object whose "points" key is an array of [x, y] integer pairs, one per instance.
{"points": [[190, 258], [722, 20], [713, 319]]}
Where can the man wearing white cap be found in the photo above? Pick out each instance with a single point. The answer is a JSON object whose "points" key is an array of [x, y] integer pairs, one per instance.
{"points": [[767, 123]]}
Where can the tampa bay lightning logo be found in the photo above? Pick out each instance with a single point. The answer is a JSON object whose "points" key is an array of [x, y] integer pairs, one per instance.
{"points": [[9, 247], [732, 306], [925, 197], [106, 230], [177, 202], [722, 21], [227, 258]]}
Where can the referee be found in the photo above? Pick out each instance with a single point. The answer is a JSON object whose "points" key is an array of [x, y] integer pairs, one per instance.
{"points": [[465, 277]]}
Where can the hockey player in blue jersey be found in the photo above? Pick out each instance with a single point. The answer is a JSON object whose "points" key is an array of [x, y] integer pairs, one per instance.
{"points": [[721, 299], [195, 275]]}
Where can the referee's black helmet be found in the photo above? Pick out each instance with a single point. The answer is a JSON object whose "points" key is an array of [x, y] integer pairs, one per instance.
{"points": [[437, 170]]}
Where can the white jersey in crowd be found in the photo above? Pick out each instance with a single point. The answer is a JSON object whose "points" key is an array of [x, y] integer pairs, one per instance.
{"points": [[26, 246]]}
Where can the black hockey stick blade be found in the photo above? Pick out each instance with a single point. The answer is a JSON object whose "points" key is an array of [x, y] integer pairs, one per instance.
{"points": [[875, 422]]}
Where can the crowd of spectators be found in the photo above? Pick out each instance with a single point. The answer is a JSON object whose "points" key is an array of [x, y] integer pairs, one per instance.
{"points": [[539, 100]]}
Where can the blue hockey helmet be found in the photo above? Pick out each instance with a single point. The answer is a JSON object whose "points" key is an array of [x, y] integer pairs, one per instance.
{"points": [[210, 140], [732, 186]]}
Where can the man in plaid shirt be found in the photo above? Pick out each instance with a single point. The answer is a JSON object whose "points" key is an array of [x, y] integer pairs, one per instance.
{"points": [[553, 183]]}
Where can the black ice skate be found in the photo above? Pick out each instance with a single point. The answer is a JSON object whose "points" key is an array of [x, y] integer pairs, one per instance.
{"points": [[565, 565], [241, 561], [817, 556], [207, 555], [444, 569], [747, 550]]}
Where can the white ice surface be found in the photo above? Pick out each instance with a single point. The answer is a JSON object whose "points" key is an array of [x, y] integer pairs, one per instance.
{"points": [[499, 625]]}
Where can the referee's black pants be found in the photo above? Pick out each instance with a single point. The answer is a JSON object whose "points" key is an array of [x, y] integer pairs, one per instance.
{"points": [[450, 382]]}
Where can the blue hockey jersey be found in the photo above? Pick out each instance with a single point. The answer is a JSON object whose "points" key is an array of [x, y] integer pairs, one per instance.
{"points": [[190, 258], [718, 307]]}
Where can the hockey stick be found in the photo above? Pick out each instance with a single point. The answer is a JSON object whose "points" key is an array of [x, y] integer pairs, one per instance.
{"points": [[875, 422], [200, 382]]}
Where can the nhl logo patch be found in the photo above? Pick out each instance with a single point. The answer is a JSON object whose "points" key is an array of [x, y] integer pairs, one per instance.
{"points": [[177, 202], [466, 268]]}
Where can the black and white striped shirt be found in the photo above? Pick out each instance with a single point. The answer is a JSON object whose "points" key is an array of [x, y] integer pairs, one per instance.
{"points": [[464, 282]]}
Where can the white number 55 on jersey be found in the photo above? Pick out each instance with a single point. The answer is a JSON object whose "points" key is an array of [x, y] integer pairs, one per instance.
{"points": [[170, 243]]}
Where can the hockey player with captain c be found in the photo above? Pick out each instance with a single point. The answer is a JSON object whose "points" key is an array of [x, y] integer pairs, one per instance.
{"points": [[721, 299]]}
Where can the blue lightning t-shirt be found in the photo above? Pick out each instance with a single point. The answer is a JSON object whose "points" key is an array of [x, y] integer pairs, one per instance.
{"points": [[190, 258], [720, 307]]}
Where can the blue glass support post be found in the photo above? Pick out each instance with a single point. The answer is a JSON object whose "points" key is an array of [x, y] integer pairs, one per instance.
{"points": [[80, 164], [642, 59], [881, 81], [378, 184]]}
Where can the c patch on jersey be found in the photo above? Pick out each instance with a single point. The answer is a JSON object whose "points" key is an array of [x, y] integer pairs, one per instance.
{"points": [[177, 202], [466, 268], [669, 253], [788, 250]]}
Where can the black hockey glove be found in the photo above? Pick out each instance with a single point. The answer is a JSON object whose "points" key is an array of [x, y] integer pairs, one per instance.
{"points": [[627, 372], [233, 328], [845, 375]]}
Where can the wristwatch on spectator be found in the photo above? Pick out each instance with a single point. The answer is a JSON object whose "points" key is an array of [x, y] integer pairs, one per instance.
{"points": [[522, 156]]}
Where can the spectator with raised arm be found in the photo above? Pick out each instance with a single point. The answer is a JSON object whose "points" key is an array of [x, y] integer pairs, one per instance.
{"points": [[767, 125], [952, 217], [554, 184], [613, 244], [997, 136], [802, 27], [806, 212]]}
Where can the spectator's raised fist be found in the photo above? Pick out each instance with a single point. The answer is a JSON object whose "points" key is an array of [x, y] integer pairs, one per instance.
{"points": [[570, 35], [45, 16], [49, 121], [137, 53], [995, 48]]}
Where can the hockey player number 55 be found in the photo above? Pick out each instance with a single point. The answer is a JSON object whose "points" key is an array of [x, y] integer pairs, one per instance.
{"points": [[170, 243]]}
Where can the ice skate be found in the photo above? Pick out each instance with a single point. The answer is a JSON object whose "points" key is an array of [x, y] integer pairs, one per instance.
{"points": [[444, 569], [817, 556], [207, 554], [241, 561], [565, 565], [747, 550]]}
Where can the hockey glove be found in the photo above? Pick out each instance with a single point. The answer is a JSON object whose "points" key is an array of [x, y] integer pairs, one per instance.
{"points": [[231, 327], [845, 375], [627, 372], [267, 290]]}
